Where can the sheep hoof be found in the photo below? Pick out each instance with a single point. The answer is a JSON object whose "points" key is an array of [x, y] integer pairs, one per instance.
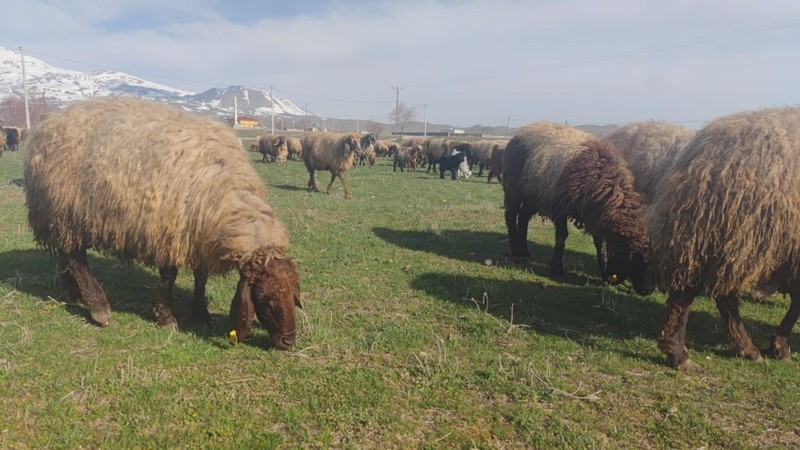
{"points": [[778, 348], [201, 317], [689, 366]]}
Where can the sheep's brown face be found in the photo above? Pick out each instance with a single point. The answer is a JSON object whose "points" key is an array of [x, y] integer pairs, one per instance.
{"points": [[275, 294]]}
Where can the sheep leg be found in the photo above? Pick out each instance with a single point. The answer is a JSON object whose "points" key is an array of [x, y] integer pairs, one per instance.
{"points": [[728, 306], [779, 341], [557, 263], [673, 336], [90, 290], [162, 310], [517, 218], [312, 183], [480, 169], [347, 193], [68, 282], [200, 314], [602, 255]]}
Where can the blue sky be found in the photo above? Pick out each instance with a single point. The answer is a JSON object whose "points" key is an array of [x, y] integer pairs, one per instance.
{"points": [[462, 62]]}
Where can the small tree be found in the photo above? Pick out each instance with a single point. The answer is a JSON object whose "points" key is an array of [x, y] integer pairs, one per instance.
{"points": [[12, 110], [376, 128], [401, 115]]}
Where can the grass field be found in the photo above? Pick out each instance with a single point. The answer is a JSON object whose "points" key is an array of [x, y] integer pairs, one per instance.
{"points": [[417, 332]]}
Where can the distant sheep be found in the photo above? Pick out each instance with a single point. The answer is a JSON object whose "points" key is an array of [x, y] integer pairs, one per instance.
{"points": [[724, 219], [382, 148], [405, 156], [294, 147], [496, 164], [266, 146], [453, 163], [146, 182], [280, 150], [564, 173], [333, 152], [437, 149], [367, 155], [13, 136], [650, 148]]}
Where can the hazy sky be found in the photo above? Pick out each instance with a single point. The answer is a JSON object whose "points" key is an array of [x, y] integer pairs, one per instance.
{"points": [[470, 62]]}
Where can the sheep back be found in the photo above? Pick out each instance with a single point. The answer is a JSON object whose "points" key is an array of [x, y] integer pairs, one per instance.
{"points": [[142, 181], [650, 149], [726, 215]]}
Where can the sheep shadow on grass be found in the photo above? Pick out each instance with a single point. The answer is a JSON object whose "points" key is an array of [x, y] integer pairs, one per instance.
{"points": [[130, 288], [479, 246], [588, 315]]}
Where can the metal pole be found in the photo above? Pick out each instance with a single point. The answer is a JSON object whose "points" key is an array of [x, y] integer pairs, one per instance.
{"points": [[25, 91], [425, 130], [272, 100], [507, 121]]}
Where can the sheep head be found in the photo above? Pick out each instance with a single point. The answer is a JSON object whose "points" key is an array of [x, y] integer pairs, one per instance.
{"points": [[268, 288], [624, 263], [351, 144]]}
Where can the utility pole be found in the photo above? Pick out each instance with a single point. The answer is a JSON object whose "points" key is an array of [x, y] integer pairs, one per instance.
{"points": [[272, 101], [397, 106], [235, 112], [305, 117], [25, 91], [425, 129], [507, 121]]}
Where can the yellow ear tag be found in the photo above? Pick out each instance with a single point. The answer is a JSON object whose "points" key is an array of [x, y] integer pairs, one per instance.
{"points": [[232, 337], [613, 278]]}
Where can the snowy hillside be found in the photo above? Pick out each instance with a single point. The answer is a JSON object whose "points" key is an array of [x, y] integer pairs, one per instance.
{"points": [[61, 86]]}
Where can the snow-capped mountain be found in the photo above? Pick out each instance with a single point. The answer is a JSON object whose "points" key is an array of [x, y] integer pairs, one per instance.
{"points": [[61, 86]]}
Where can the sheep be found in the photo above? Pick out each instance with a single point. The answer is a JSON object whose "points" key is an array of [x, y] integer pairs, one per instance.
{"points": [[453, 163], [464, 170], [13, 136], [2, 141], [382, 148], [724, 219], [266, 146], [650, 148], [333, 152], [405, 156], [564, 173], [437, 149], [367, 150], [482, 153], [145, 182], [496, 164], [279, 149], [294, 147]]}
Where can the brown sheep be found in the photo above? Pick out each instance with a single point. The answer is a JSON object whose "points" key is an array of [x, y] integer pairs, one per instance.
{"points": [[724, 219], [564, 173], [405, 156], [333, 152], [382, 148], [266, 146], [367, 155], [150, 183], [496, 164], [13, 137], [294, 148], [482, 153], [437, 149], [650, 148], [280, 150]]}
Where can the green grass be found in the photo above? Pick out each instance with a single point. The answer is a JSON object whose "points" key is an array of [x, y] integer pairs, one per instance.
{"points": [[418, 332]]}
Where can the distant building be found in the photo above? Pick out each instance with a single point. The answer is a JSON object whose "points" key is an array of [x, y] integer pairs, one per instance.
{"points": [[245, 121]]}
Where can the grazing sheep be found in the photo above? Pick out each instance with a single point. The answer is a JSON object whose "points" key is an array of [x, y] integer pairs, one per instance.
{"points": [[650, 148], [367, 150], [294, 147], [279, 150], [405, 156], [564, 173], [333, 152], [464, 170], [266, 146], [145, 182], [724, 219], [13, 135], [453, 163], [496, 164], [437, 149], [382, 148]]}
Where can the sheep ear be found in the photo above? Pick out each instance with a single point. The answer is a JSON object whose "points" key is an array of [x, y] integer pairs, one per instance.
{"points": [[298, 302], [242, 311], [346, 149]]}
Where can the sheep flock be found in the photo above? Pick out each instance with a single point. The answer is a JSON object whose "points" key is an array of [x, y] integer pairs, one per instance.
{"points": [[687, 212]]}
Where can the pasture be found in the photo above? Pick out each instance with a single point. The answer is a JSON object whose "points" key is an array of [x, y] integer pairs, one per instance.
{"points": [[418, 331]]}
